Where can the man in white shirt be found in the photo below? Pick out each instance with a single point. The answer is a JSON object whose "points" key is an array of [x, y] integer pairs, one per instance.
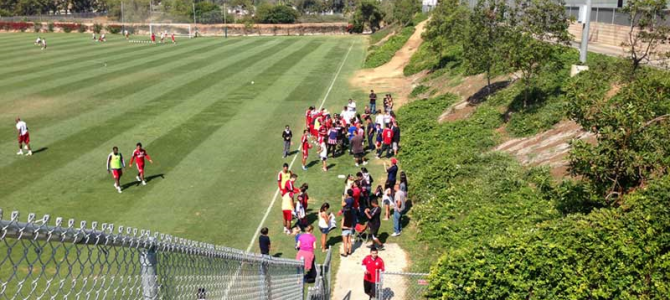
{"points": [[351, 105], [24, 136], [379, 119]]}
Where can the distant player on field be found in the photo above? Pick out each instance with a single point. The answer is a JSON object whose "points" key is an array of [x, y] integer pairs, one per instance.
{"points": [[126, 34], [153, 38], [103, 38], [172, 37], [44, 44], [304, 141], [24, 136], [138, 156], [115, 165], [38, 42], [162, 37]]}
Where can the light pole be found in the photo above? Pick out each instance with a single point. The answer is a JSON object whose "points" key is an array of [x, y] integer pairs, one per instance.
{"points": [[225, 24], [583, 50]]}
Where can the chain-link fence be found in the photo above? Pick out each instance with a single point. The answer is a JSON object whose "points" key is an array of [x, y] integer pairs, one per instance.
{"points": [[104, 261], [322, 286], [400, 286], [607, 15]]}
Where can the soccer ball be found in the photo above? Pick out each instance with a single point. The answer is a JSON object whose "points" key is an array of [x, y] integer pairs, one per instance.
{"points": [[252, 82]]}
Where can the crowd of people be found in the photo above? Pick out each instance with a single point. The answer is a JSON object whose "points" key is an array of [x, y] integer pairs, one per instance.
{"points": [[362, 208]]}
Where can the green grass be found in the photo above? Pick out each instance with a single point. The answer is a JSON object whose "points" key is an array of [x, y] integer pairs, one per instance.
{"points": [[213, 136], [379, 55]]}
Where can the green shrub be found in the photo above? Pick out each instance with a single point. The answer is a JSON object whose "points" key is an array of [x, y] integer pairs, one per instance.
{"points": [[383, 54], [418, 90], [81, 28], [382, 33], [423, 59], [50, 27], [97, 28], [276, 14], [113, 29], [37, 27]]}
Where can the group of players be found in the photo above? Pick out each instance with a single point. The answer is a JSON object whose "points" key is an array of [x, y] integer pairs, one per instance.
{"points": [[115, 161], [41, 42], [335, 133]]}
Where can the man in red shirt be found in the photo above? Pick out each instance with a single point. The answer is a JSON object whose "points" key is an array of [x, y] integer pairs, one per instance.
{"points": [[372, 264], [309, 121], [305, 146], [138, 156], [387, 139]]}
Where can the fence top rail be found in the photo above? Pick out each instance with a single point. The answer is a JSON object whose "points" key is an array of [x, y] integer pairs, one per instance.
{"points": [[109, 235], [404, 273]]}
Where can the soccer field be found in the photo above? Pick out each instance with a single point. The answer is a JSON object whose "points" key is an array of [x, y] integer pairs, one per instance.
{"points": [[213, 136]]}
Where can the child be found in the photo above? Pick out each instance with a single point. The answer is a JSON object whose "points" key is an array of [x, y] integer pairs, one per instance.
{"points": [[264, 241], [323, 153]]}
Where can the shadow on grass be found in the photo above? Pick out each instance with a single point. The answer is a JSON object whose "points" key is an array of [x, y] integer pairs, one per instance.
{"points": [[41, 150], [137, 183]]}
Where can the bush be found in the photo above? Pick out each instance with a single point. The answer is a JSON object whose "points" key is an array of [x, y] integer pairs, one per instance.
{"points": [[113, 29], [383, 54], [97, 28], [20, 26], [418, 90], [81, 28], [50, 27], [37, 27], [423, 59], [67, 27], [276, 14]]}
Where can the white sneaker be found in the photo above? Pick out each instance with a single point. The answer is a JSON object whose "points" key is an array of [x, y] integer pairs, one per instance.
{"points": [[30, 153], [144, 182], [304, 168], [365, 162], [119, 189], [357, 164], [115, 186], [19, 153], [395, 234]]}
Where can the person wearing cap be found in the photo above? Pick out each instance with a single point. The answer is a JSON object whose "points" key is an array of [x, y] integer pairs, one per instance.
{"points": [[391, 172], [372, 265], [24, 136]]}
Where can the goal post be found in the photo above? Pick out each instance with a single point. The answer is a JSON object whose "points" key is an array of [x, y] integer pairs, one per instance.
{"points": [[182, 30]]}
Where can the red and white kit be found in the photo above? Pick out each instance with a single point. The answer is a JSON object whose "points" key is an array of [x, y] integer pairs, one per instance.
{"points": [[139, 157]]}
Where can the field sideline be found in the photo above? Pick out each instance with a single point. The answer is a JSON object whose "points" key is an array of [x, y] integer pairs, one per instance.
{"points": [[214, 137]]}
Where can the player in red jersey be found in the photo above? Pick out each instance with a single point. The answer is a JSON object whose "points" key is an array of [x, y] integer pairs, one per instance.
{"points": [[309, 122], [153, 38], [172, 37], [138, 156], [305, 145]]}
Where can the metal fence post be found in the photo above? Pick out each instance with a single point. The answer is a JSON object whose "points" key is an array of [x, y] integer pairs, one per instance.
{"points": [[149, 284]]}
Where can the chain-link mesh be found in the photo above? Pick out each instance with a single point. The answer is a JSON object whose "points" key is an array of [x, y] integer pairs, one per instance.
{"points": [[322, 286], [40, 261], [399, 285]]}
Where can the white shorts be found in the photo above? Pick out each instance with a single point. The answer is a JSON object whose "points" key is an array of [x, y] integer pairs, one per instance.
{"points": [[324, 158], [395, 146]]}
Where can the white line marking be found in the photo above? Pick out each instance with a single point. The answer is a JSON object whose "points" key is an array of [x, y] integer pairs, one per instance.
{"points": [[274, 199]]}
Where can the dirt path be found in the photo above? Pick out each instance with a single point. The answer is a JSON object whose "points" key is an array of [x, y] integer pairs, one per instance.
{"points": [[389, 78], [349, 282]]}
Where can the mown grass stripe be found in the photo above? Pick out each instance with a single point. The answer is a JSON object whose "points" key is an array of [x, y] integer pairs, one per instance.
{"points": [[74, 45], [89, 138], [86, 63], [102, 99], [23, 41], [30, 54], [84, 80], [66, 64]]}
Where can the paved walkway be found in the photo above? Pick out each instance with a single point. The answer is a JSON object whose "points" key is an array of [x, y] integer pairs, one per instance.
{"points": [[349, 278]]}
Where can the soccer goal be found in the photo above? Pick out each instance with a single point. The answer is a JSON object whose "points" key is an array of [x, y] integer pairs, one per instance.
{"points": [[183, 30]]}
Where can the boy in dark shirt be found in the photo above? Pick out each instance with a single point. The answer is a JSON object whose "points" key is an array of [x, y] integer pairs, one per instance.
{"points": [[373, 215], [264, 241]]}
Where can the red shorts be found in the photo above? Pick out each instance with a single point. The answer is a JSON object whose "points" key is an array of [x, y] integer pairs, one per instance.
{"points": [[117, 173], [25, 138], [305, 153], [140, 168], [288, 216]]}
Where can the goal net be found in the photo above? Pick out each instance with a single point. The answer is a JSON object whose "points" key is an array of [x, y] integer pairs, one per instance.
{"points": [[183, 30]]}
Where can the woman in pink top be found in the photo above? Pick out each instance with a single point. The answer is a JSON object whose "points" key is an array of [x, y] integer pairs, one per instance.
{"points": [[306, 246]]}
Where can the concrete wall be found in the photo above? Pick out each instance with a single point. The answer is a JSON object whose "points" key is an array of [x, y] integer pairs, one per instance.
{"points": [[607, 34]]}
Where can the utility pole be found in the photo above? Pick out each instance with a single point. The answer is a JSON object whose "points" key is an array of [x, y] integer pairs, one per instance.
{"points": [[123, 23], [225, 24], [195, 24], [583, 50]]}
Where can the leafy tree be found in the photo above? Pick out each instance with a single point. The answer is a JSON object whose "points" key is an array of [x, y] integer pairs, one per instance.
{"points": [[533, 26], [368, 13], [447, 27], [404, 11], [631, 128], [276, 14], [648, 29], [481, 51]]}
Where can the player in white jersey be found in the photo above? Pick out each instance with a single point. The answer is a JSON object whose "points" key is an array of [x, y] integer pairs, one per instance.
{"points": [[44, 44], [38, 42], [24, 136]]}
